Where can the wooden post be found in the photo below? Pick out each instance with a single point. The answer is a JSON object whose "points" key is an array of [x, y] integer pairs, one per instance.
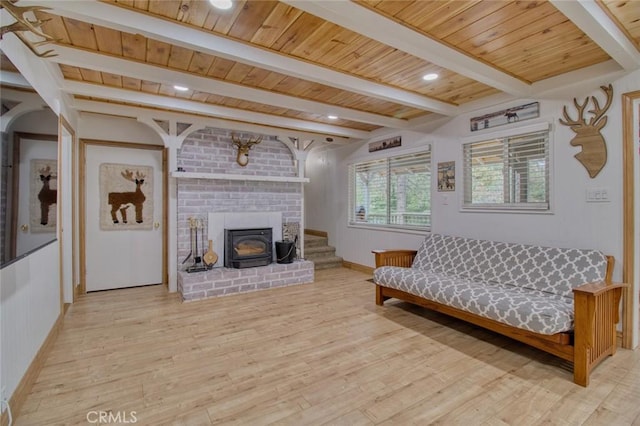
{"points": [[583, 337], [379, 297]]}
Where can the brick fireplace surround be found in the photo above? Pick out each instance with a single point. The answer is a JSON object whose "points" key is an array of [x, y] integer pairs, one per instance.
{"points": [[211, 151]]}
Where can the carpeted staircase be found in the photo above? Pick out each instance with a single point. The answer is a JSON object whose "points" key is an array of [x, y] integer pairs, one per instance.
{"points": [[320, 253]]}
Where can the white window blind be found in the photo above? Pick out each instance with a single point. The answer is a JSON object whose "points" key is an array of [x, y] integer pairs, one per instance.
{"points": [[391, 192], [507, 173]]}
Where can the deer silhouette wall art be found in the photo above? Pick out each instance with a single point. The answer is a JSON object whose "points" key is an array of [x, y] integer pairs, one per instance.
{"points": [[46, 196], [594, 149], [121, 201]]}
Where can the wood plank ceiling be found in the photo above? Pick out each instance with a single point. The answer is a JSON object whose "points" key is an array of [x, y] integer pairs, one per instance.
{"points": [[301, 60]]}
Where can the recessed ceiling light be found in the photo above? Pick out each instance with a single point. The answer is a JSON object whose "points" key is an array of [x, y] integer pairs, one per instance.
{"points": [[332, 117], [430, 76], [221, 4], [180, 88]]}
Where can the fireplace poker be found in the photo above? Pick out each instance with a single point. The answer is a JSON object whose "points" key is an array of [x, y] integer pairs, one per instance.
{"points": [[190, 241], [202, 239], [197, 257]]}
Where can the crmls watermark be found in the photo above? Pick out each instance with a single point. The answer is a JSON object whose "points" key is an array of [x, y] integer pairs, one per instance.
{"points": [[120, 417]]}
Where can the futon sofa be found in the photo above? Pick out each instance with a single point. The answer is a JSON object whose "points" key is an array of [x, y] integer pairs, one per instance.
{"points": [[559, 300]]}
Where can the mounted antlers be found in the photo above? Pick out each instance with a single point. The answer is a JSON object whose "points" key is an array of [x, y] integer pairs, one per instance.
{"points": [[243, 148], [128, 175], [23, 24], [46, 171], [594, 150]]}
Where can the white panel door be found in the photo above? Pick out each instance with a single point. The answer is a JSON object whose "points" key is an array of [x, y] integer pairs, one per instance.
{"points": [[122, 258]]}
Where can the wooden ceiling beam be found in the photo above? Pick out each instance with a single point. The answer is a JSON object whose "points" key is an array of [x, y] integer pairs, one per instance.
{"points": [[119, 66], [123, 95], [362, 20], [596, 23], [130, 21], [97, 107]]}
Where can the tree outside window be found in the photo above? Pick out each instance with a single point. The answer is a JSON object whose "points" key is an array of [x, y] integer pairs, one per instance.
{"points": [[392, 192]]}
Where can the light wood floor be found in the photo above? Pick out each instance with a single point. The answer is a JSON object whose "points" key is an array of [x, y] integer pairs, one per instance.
{"points": [[319, 353]]}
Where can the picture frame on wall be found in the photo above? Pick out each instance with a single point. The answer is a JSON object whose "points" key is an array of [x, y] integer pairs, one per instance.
{"points": [[126, 197], [385, 144], [43, 195], [505, 116], [447, 176]]}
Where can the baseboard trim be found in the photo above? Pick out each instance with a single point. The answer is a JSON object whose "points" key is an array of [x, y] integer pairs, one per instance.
{"points": [[316, 233], [26, 383], [358, 267]]}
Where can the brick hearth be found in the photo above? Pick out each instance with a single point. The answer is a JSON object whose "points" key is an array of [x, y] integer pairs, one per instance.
{"points": [[225, 281]]}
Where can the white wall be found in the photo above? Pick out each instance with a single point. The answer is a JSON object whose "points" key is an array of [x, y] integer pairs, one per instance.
{"points": [[118, 129], [43, 122], [326, 201], [30, 306], [573, 222]]}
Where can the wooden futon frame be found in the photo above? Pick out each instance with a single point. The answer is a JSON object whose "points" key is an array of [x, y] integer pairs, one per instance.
{"points": [[596, 315]]}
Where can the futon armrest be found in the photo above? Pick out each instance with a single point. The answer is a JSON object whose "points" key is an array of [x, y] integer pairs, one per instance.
{"points": [[596, 313], [597, 288], [403, 258]]}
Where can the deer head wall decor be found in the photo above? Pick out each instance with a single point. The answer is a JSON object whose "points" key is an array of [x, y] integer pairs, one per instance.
{"points": [[594, 149], [23, 24], [243, 148]]}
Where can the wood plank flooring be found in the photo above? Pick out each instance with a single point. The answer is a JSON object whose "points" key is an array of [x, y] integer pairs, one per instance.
{"points": [[320, 353]]}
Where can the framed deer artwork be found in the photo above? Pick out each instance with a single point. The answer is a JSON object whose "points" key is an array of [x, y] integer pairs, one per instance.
{"points": [[126, 197], [43, 195]]}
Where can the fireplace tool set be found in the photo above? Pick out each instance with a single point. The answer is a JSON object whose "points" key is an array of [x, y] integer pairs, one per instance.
{"points": [[201, 260]]}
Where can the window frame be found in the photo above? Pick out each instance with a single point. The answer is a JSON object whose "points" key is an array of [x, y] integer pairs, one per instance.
{"points": [[388, 159], [518, 207]]}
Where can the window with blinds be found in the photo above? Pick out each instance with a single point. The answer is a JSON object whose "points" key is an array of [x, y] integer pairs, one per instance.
{"points": [[391, 192], [507, 173]]}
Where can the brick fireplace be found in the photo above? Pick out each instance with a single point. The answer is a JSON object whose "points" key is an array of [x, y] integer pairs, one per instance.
{"points": [[210, 151]]}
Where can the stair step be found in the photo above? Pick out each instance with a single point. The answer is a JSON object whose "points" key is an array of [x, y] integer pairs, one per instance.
{"points": [[320, 250], [314, 257], [315, 241], [328, 262]]}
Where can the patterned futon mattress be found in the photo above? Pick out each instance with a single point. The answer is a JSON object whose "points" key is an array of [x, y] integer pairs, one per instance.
{"points": [[527, 287]]}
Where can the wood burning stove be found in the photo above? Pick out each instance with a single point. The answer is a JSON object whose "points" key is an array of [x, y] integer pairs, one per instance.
{"points": [[248, 248]]}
